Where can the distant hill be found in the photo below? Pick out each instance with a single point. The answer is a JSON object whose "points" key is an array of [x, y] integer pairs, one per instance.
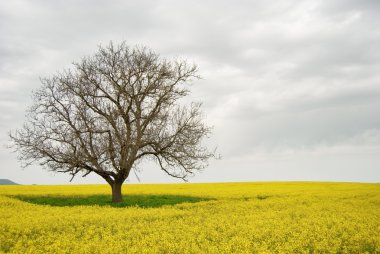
{"points": [[7, 182]]}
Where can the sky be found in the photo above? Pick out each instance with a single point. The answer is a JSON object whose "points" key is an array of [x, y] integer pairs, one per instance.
{"points": [[291, 88]]}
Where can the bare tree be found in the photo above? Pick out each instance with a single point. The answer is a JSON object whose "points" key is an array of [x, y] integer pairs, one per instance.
{"points": [[111, 111]]}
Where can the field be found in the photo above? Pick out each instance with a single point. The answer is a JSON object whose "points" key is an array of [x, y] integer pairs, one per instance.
{"points": [[192, 218]]}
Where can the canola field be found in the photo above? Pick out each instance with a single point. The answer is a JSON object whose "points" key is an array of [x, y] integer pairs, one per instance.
{"points": [[292, 217]]}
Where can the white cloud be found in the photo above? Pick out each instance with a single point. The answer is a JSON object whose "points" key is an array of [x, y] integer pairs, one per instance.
{"points": [[277, 77]]}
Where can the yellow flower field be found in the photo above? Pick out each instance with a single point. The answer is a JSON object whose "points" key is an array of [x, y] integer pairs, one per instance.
{"points": [[192, 218]]}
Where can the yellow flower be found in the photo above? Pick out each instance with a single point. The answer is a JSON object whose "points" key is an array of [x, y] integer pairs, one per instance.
{"points": [[192, 218]]}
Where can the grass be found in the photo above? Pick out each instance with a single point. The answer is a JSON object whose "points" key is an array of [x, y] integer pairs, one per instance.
{"points": [[144, 201]]}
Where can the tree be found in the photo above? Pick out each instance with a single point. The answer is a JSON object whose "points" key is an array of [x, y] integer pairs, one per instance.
{"points": [[111, 111]]}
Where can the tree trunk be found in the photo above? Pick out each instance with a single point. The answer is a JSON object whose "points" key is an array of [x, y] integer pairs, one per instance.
{"points": [[116, 192]]}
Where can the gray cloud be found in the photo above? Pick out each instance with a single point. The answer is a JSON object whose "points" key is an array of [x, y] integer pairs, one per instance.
{"points": [[290, 76]]}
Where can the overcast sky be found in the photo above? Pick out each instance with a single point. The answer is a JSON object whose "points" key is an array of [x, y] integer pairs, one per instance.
{"points": [[292, 88]]}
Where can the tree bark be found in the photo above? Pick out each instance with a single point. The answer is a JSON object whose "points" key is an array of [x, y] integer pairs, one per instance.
{"points": [[116, 192]]}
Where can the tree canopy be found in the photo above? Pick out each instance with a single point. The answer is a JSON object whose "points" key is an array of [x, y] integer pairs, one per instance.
{"points": [[112, 110]]}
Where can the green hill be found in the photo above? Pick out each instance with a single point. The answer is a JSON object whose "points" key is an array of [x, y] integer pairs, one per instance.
{"points": [[7, 182]]}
